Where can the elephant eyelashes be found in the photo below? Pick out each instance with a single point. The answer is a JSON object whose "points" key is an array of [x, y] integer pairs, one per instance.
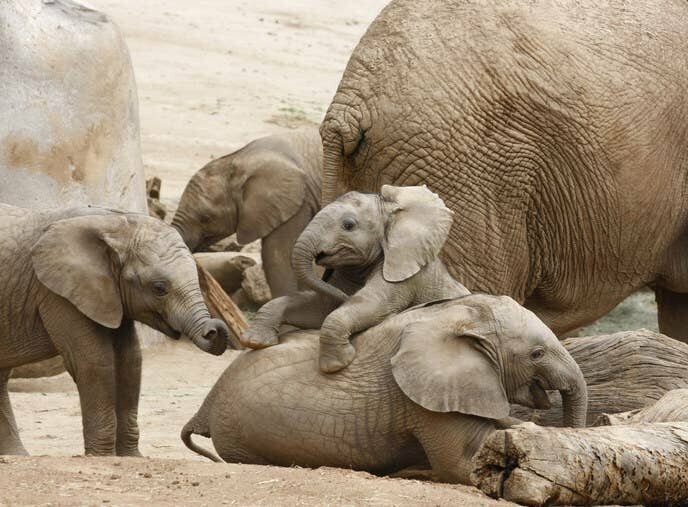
{"points": [[159, 288], [348, 224]]}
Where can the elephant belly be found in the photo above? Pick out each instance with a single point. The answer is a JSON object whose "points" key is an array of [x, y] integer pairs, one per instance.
{"points": [[17, 351], [324, 442]]}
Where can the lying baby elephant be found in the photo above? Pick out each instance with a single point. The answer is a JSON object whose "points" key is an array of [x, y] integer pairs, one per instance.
{"points": [[433, 381], [267, 190], [72, 283], [383, 246]]}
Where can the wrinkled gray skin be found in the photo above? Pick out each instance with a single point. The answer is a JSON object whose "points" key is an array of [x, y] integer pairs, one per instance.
{"points": [[557, 131], [72, 283], [384, 248], [430, 383], [269, 189]]}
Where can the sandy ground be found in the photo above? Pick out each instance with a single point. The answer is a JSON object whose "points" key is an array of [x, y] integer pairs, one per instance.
{"points": [[213, 75]]}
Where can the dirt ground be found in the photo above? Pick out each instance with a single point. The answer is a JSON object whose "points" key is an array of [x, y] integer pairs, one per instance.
{"points": [[212, 75]]}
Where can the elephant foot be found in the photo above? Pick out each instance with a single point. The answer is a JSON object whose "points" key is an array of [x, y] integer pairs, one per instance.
{"points": [[130, 453], [13, 450], [259, 338], [335, 357]]}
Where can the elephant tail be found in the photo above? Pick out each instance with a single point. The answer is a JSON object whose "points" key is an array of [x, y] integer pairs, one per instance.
{"points": [[198, 427], [341, 132]]}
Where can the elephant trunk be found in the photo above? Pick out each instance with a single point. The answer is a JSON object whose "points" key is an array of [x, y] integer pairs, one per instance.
{"points": [[332, 168], [304, 254], [212, 338], [208, 334], [191, 238], [575, 399]]}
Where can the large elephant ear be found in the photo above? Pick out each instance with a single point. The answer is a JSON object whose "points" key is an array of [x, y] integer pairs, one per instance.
{"points": [[444, 366], [73, 259], [272, 194], [416, 230]]}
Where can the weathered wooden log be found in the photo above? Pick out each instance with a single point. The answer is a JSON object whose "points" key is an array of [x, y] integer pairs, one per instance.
{"points": [[226, 267], [672, 407], [624, 371], [221, 306], [635, 464]]}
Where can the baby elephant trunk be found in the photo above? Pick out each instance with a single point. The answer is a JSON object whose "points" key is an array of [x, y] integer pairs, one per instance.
{"points": [[304, 255], [211, 337]]}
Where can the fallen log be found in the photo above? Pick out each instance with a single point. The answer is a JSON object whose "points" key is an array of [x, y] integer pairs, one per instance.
{"points": [[672, 407], [221, 306], [624, 371], [636, 464]]}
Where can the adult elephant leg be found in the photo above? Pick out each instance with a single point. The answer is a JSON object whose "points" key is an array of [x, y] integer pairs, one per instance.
{"points": [[672, 310], [10, 443], [87, 349], [128, 377]]}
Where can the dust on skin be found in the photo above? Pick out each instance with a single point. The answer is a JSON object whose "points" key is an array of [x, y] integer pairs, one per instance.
{"points": [[64, 161]]}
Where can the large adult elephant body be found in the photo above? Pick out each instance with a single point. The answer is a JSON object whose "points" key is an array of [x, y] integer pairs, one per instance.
{"points": [[557, 132]]}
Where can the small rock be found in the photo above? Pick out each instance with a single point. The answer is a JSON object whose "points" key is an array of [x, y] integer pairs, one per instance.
{"points": [[195, 483], [115, 477], [256, 286], [147, 475]]}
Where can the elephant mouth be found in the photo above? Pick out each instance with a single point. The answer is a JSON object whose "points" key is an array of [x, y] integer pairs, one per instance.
{"points": [[325, 259], [166, 329], [534, 395], [538, 393]]}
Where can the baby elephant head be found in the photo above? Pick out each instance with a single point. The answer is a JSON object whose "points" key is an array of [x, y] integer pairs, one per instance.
{"points": [[407, 226], [112, 266], [228, 196], [477, 354]]}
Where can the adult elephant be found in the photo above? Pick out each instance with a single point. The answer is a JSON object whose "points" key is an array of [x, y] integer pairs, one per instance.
{"points": [[557, 132]]}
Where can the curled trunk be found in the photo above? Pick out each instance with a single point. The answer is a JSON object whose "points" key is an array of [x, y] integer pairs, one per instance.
{"points": [[303, 256]]}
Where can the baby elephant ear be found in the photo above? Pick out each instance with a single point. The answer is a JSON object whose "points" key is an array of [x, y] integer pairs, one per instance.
{"points": [[416, 230], [73, 260], [444, 367], [273, 193]]}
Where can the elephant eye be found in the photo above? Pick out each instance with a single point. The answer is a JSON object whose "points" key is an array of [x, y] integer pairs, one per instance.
{"points": [[348, 224], [537, 354], [159, 288]]}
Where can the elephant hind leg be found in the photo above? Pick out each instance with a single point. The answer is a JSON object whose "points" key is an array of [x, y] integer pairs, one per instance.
{"points": [[10, 443], [672, 308]]}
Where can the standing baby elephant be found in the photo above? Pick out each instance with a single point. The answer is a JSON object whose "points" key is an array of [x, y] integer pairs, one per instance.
{"points": [[385, 247], [430, 383], [269, 189], [73, 281]]}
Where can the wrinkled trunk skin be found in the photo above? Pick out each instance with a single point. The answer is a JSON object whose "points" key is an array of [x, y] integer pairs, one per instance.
{"points": [[190, 234], [303, 256], [192, 318], [574, 393]]}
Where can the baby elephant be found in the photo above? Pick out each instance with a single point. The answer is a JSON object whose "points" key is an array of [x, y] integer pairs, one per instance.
{"points": [[72, 283], [383, 248], [429, 384], [267, 190]]}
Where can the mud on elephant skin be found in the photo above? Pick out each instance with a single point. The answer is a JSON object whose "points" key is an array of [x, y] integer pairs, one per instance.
{"points": [[557, 182], [267, 190], [428, 384], [74, 283], [382, 246]]}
